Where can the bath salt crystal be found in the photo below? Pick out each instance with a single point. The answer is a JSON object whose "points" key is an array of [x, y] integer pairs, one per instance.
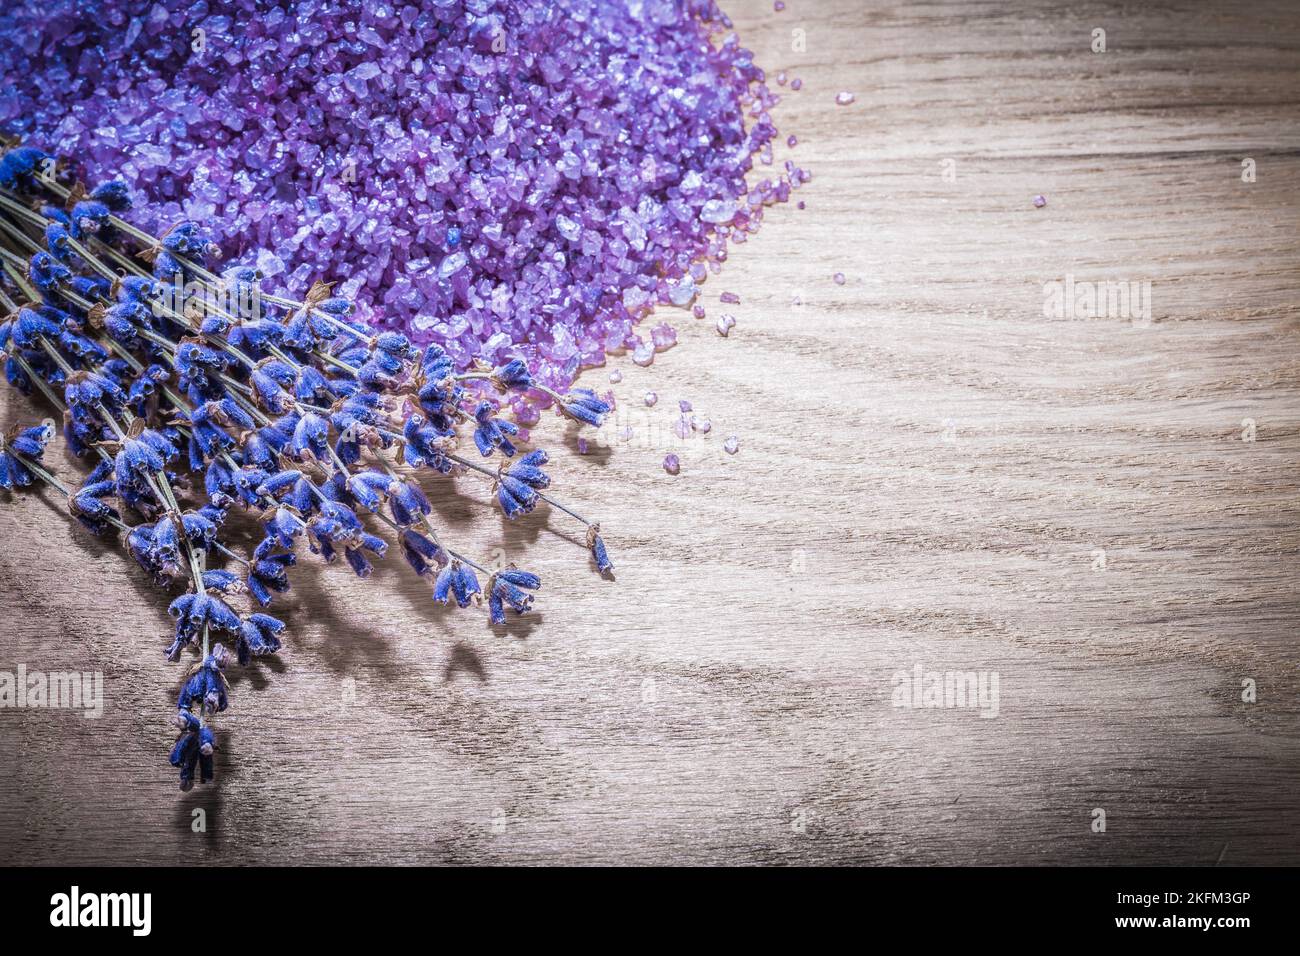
{"points": [[718, 210], [663, 336], [682, 293]]}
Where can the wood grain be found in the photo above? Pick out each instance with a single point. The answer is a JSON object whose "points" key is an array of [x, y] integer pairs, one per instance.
{"points": [[928, 467]]}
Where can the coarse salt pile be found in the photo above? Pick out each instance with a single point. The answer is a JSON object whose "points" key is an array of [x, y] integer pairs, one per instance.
{"points": [[524, 178]]}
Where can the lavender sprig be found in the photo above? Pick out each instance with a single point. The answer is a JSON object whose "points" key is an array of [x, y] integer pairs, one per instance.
{"points": [[254, 402]]}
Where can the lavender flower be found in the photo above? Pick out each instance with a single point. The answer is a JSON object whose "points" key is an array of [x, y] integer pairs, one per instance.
{"points": [[185, 752], [18, 167], [582, 405], [509, 588], [207, 685], [493, 432], [29, 442], [512, 377], [195, 612], [517, 487], [270, 574], [258, 636], [422, 553], [456, 582], [598, 552]]}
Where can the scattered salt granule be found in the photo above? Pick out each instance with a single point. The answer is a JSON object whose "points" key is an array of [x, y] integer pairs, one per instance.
{"points": [[643, 354], [651, 398], [730, 298], [616, 376], [663, 336], [844, 98], [1040, 201], [731, 445], [725, 323], [839, 278], [672, 464]]}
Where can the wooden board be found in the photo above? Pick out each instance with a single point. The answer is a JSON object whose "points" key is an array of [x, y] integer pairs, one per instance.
{"points": [[931, 471]]}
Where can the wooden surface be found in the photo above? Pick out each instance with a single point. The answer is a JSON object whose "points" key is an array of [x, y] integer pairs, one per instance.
{"points": [[927, 468]]}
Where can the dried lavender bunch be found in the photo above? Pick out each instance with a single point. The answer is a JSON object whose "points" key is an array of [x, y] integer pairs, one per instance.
{"points": [[177, 378]]}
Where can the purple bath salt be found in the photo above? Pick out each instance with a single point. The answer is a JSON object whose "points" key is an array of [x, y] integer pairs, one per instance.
{"points": [[663, 336], [730, 298], [461, 169], [672, 464], [643, 353]]}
